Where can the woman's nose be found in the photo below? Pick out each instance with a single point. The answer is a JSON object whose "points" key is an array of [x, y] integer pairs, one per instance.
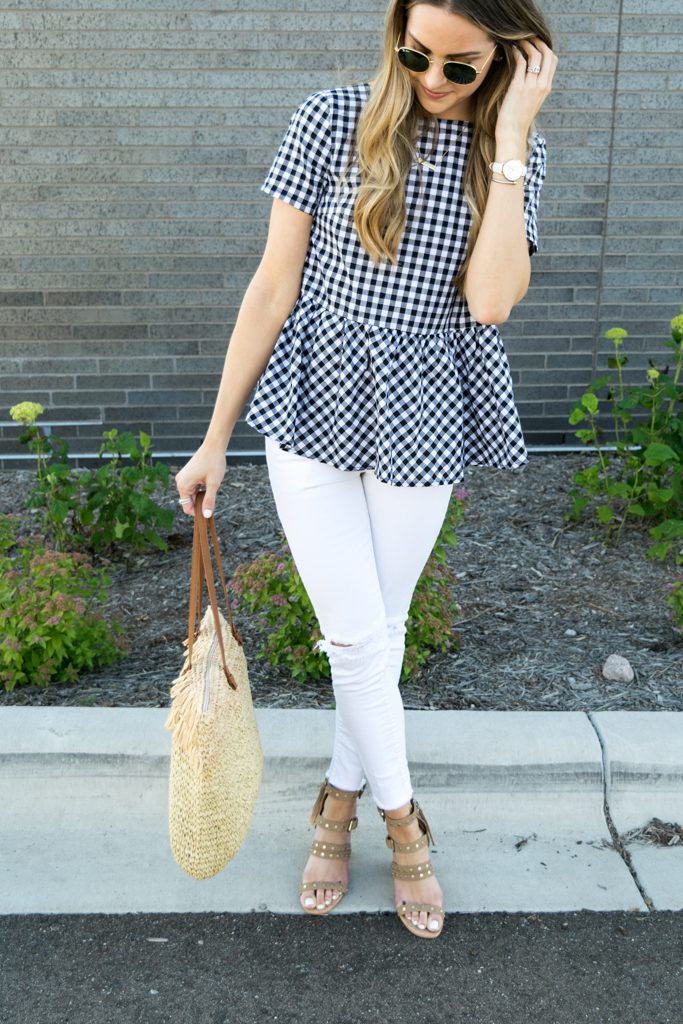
{"points": [[435, 80]]}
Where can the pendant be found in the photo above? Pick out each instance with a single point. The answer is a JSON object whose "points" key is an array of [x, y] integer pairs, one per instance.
{"points": [[420, 160]]}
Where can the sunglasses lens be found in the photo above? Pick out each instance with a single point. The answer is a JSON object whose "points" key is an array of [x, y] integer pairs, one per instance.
{"points": [[461, 74], [413, 60]]}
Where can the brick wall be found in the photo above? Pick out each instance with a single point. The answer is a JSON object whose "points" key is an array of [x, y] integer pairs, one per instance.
{"points": [[134, 143]]}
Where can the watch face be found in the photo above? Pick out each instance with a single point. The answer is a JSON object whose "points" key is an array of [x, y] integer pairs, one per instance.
{"points": [[513, 169]]}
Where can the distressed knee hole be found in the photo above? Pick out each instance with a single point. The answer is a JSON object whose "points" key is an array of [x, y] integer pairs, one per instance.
{"points": [[358, 647]]}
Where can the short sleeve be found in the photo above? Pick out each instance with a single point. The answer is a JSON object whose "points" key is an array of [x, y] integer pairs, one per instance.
{"points": [[298, 172], [533, 182]]}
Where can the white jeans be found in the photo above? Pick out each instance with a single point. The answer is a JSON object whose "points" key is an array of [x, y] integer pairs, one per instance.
{"points": [[359, 546]]}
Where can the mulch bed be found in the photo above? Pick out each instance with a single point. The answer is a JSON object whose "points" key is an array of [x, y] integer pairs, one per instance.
{"points": [[543, 605]]}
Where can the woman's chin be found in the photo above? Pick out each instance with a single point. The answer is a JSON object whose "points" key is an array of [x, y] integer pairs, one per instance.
{"points": [[438, 108]]}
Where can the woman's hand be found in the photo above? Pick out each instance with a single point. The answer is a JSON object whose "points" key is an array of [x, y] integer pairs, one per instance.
{"points": [[527, 91], [204, 472]]}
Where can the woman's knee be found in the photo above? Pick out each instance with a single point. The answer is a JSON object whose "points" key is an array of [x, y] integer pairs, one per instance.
{"points": [[376, 636], [392, 627]]}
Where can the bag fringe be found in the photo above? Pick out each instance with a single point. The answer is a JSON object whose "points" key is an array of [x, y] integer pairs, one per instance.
{"points": [[183, 718]]}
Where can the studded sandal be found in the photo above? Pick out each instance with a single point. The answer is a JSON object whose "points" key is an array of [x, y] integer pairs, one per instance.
{"points": [[330, 850], [413, 872]]}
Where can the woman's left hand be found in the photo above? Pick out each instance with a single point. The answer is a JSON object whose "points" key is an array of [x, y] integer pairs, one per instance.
{"points": [[527, 91]]}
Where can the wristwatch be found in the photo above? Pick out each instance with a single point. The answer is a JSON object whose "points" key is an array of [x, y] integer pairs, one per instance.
{"points": [[513, 170]]}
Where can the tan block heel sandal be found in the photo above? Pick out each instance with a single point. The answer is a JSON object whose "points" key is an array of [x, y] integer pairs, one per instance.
{"points": [[330, 850], [413, 872]]}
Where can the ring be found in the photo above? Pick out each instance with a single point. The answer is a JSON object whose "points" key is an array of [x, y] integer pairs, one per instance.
{"points": [[534, 68], [184, 501]]}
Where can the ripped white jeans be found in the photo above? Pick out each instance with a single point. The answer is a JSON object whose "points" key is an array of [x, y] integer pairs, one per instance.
{"points": [[359, 546]]}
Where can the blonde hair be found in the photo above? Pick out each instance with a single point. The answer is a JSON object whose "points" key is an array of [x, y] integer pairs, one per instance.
{"points": [[386, 131]]}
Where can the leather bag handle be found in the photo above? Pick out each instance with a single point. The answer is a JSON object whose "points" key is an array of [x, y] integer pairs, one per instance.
{"points": [[197, 591], [202, 570]]}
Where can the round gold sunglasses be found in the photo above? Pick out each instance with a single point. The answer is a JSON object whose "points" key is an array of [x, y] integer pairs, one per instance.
{"points": [[454, 70]]}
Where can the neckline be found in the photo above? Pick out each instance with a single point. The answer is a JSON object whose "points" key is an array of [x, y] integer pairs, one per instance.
{"points": [[441, 120], [450, 120]]}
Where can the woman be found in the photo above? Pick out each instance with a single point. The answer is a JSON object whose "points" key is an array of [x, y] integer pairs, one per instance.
{"points": [[403, 220]]}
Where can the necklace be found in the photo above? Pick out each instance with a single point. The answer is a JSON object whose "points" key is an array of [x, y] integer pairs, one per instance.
{"points": [[432, 167]]}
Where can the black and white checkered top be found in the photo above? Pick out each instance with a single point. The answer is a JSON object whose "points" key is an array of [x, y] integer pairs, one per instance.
{"points": [[381, 366]]}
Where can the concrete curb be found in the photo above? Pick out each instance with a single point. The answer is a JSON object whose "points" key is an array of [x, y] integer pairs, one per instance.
{"points": [[525, 796]]}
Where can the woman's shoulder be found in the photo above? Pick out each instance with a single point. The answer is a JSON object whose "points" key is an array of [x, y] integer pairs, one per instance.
{"points": [[337, 101]]}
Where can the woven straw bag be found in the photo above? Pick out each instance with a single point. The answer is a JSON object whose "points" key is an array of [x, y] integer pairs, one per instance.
{"points": [[216, 755]]}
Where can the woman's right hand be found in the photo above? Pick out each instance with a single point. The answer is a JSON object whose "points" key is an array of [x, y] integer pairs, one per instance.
{"points": [[204, 472]]}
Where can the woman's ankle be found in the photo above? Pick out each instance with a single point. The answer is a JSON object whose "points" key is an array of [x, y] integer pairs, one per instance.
{"points": [[338, 809], [399, 812]]}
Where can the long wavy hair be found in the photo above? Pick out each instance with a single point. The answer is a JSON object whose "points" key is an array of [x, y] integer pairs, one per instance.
{"points": [[386, 132]]}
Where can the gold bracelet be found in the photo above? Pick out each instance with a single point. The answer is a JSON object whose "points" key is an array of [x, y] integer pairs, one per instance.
{"points": [[505, 181]]}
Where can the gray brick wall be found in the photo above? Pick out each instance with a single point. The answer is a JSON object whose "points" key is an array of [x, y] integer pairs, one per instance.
{"points": [[133, 145]]}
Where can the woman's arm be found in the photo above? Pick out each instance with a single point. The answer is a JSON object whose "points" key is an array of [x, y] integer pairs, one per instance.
{"points": [[500, 267], [267, 303]]}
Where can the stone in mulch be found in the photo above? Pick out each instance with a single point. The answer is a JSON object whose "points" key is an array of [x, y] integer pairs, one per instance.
{"points": [[544, 605]]}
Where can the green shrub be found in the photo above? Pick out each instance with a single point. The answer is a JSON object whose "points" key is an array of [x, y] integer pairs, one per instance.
{"points": [[675, 602], [99, 510], [50, 625], [642, 479], [271, 587]]}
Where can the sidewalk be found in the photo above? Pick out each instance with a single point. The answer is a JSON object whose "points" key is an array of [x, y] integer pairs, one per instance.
{"points": [[520, 803]]}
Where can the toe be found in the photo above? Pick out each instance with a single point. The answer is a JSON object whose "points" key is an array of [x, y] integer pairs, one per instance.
{"points": [[435, 922]]}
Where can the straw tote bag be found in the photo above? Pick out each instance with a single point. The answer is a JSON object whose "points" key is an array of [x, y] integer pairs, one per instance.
{"points": [[216, 755]]}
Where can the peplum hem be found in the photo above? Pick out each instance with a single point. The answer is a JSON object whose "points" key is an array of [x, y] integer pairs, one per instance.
{"points": [[413, 407]]}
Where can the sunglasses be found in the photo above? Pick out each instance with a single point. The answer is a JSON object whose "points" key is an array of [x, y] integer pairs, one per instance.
{"points": [[454, 70]]}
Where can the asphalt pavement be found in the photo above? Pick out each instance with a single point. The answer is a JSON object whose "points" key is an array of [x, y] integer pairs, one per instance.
{"points": [[601, 968]]}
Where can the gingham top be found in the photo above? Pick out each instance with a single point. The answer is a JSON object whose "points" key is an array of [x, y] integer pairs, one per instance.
{"points": [[380, 366]]}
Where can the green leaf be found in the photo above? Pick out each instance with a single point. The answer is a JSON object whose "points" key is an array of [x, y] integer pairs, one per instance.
{"points": [[165, 518], [119, 529], [156, 540], [657, 453], [60, 511], [659, 551], [671, 528]]}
